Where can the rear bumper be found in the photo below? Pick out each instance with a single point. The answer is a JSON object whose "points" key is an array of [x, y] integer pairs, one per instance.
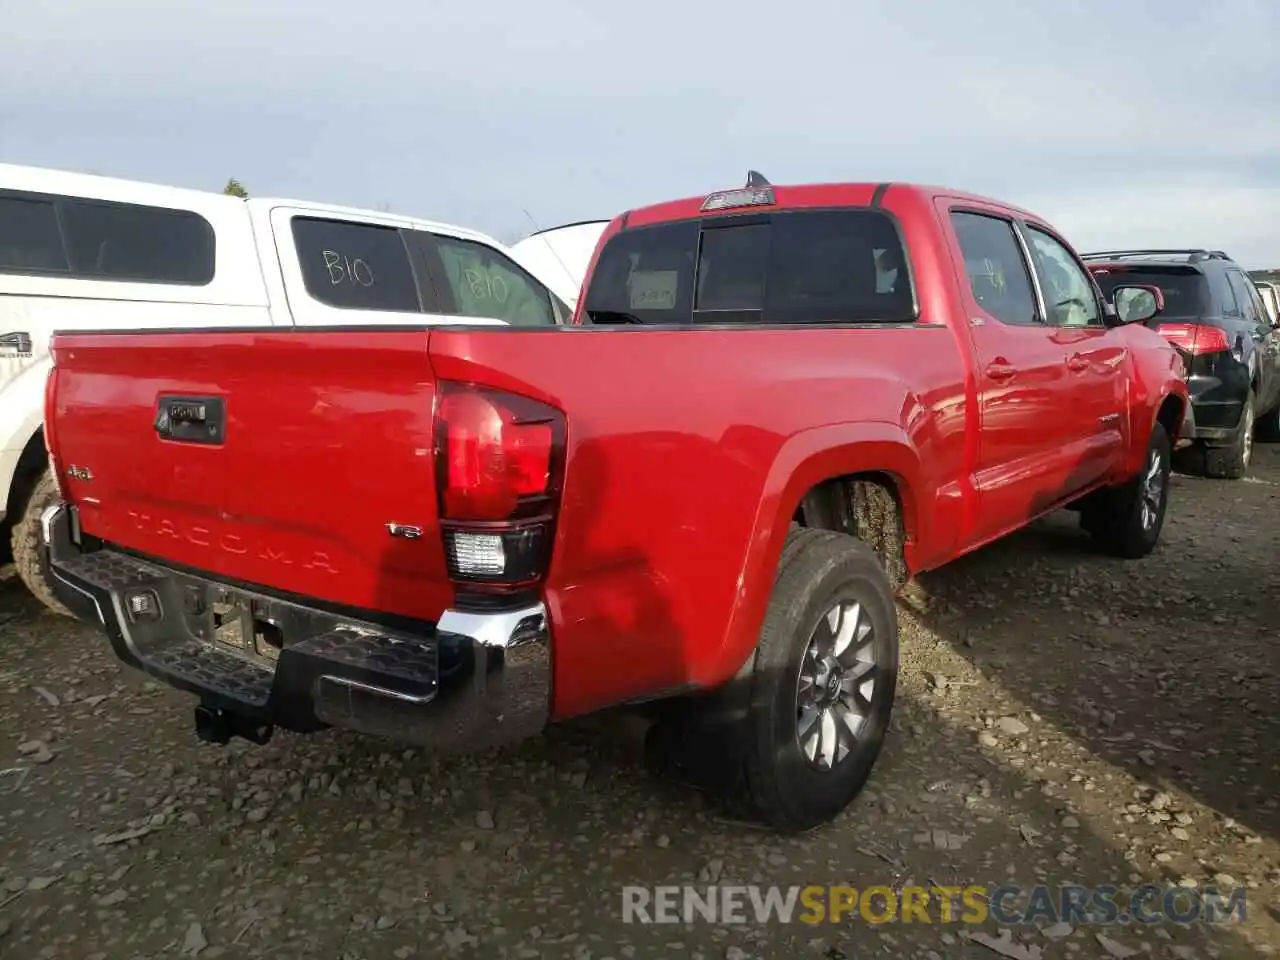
{"points": [[472, 680]]}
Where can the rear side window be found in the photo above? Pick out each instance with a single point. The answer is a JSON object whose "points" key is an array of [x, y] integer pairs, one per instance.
{"points": [[30, 240], [995, 266], [484, 283], [98, 240], [1247, 296], [355, 266], [811, 266], [116, 241], [1185, 288]]}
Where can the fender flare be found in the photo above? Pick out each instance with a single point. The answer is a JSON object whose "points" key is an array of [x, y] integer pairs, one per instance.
{"points": [[24, 398], [805, 460]]}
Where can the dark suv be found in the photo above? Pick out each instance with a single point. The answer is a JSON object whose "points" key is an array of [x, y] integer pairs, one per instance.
{"points": [[1214, 313]]}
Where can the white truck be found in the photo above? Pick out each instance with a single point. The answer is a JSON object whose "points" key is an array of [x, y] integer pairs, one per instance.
{"points": [[562, 252], [81, 252]]}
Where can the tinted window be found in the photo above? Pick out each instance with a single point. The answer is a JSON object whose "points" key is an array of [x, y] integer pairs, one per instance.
{"points": [[1068, 292], [97, 240], [116, 241], [1245, 296], [485, 283], [355, 266], [794, 267], [731, 268], [29, 237], [995, 266], [838, 265], [1184, 288], [1224, 294]]}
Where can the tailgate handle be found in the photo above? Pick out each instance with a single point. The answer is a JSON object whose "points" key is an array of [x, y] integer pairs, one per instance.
{"points": [[191, 419]]}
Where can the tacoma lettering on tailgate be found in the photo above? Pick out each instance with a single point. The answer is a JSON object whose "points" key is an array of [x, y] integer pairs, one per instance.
{"points": [[229, 542]]}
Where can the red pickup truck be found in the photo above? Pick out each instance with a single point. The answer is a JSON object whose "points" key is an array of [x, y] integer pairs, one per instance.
{"points": [[773, 406]]}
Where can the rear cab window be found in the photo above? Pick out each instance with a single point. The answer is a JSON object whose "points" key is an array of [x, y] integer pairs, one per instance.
{"points": [[800, 266], [1185, 289]]}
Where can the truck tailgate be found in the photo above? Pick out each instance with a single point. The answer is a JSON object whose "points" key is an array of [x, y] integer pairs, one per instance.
{"points": [[326, 440]]}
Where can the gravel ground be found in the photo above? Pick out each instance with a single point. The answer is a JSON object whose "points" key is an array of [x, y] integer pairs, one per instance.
{"points": [[1062, 719]]}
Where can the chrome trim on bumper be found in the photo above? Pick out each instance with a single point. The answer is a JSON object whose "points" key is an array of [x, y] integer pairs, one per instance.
{"points": [[472, 681]]}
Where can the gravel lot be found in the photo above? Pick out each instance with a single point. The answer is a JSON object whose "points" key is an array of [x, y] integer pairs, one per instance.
{"points": [[1062, 719]]}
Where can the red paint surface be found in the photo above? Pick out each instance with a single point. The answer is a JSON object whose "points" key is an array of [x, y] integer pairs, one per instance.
{"points": [[688, 451]]}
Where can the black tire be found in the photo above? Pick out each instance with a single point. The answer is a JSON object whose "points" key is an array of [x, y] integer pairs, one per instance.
{"points": [[1267, 428], [1231, 462], [1126, 521], [822, 571], [28, 551]]}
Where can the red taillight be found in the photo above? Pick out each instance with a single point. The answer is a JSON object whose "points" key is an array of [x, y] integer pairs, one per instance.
{"points": [[496, 451], [499, 464], [1195, 338]]}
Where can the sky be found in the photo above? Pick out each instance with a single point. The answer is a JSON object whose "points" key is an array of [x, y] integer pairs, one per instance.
{"points": [[1123, 123]]}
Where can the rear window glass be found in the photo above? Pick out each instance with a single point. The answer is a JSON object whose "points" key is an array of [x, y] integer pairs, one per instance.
{"points": [[1185, 290], [821, 266]]}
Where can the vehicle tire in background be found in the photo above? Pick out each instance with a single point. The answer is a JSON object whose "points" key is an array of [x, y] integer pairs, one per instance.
{"points": [[1267, 428], [1231, 462], [28, 553], [822, 683], [1126, 521]]}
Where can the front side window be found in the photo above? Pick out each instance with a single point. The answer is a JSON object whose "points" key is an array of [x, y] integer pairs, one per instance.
{"points": [[1069, 296], [355, 266], [809, 266], [485, 283], [995, 267]]}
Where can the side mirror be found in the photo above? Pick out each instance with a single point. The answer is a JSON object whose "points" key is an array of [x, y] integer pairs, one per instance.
{"points": [[1137, 303]]}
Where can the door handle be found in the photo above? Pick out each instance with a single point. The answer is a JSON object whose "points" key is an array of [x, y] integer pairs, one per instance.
{"points": [[999, 370], [1077, 362]]}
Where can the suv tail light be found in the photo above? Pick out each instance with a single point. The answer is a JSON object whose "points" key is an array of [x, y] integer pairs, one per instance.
{"points": [[1195, 338], [499, 470]]}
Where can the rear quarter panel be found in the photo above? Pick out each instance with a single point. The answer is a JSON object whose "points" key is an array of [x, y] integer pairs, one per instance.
{"points": [[688, 452], [1156, 372]]}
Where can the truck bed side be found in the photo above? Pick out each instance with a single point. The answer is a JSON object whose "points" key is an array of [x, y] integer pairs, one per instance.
{"points": [[686, 447]]}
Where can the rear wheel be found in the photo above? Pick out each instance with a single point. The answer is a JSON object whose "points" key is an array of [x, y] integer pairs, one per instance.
{"points": [[1231, 462], [823, 682], [28, 554], [1126, 521]]}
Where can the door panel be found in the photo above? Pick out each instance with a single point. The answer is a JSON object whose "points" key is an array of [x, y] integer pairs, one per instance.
{"points": [[1092, 424], [1021, 373]]}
